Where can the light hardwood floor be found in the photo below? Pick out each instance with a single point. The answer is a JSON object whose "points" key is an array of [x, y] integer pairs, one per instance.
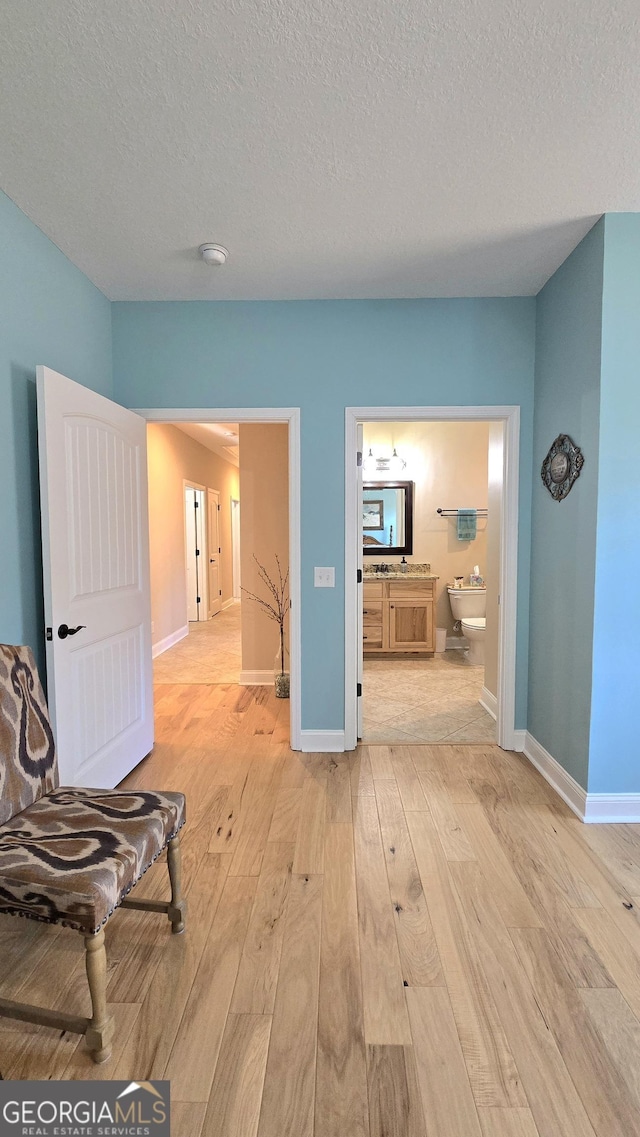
{"points": [[411, 941]]}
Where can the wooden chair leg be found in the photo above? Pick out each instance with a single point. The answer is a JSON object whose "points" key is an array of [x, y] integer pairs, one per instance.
{"points": [[100, 1029], [177, 909]]}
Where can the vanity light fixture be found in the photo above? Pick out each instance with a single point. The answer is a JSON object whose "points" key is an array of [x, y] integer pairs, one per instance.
{"points": [[383, 464], [369, 464], [397, 464]]}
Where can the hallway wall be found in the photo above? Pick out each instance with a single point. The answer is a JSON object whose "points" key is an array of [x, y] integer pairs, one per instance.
{"points": [[172, 457], [264, 531]]}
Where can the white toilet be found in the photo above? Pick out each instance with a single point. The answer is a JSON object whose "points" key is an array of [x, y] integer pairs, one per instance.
{"points": [[469, 606]]}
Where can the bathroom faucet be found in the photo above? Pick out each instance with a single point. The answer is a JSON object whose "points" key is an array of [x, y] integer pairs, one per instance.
{"points": [[382, 568]]}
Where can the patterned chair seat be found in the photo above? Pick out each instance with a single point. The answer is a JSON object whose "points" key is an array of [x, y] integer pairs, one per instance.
{"points": [[71, 857]]}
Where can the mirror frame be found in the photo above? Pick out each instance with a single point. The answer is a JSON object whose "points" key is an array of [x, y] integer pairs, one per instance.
{"points": [[407, 548]]}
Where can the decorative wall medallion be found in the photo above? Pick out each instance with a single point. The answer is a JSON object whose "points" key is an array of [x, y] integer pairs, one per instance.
{"points": [[561, 466]]}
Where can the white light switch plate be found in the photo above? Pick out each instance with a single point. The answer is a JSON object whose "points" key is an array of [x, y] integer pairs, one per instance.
{"points": [[324, 578]]}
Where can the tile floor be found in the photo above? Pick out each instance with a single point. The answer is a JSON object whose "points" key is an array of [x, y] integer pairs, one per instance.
{"points": [[405, 700], [425, 700], [211, 653]]}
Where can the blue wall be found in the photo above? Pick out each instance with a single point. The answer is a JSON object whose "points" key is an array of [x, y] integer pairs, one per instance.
{"points": [[563, 534], [50, 314], [615, 756], [323, 356]]}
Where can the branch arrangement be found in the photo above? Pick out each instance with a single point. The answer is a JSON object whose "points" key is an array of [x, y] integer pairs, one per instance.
{"points": [[277, 607]]}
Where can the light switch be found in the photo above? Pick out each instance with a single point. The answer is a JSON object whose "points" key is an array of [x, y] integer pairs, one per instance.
{"points": [[324, 578]]}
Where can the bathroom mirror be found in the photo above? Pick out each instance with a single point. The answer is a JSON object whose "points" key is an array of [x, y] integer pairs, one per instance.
{"points": [[387, 518]]}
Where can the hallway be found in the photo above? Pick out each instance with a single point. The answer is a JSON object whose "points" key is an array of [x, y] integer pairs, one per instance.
{"points": [[211, 653]]}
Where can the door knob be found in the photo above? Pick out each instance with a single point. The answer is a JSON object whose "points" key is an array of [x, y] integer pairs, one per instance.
{"points": [[64, 630]]}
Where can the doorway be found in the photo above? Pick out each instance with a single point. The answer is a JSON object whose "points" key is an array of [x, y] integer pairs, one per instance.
{"points": [[288, 418], [506, 458], [423, 681]]}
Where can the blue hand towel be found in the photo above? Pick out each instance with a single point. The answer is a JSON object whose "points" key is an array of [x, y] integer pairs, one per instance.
{"points": [[467, 523]]}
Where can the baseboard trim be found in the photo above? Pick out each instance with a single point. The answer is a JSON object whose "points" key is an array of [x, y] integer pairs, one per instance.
{"points": [[593, 809], [489, 702], [256, 678], [169, 641], [228, 603], [518, 741], [602, 809], [556, 775], [322, 741]]}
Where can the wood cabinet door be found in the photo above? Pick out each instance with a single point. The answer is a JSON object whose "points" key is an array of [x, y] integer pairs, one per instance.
{"points": [[372, 624], [411, 625]]}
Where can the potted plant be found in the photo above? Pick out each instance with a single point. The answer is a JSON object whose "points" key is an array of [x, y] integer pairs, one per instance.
{"points": [[276, 608]]}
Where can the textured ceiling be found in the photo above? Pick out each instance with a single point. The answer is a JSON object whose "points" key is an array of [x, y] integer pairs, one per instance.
{"points": [[376, 148]]}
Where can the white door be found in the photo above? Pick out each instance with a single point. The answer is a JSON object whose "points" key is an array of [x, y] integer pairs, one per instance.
{"points": [[95, 548], [195, 552], [360, 591], [213, 529]]}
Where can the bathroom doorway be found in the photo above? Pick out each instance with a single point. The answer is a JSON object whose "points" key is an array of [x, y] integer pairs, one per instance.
{"points": [[421, 678]]}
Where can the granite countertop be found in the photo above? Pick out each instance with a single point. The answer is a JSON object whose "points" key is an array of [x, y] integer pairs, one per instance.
{"points": [[414, 572]]}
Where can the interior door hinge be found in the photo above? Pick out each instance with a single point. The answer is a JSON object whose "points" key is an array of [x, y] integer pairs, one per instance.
{"points": [[197, 552], [359, 690], [198, 600], [359, 458], [218, 509], [219, 549], [220, 592], [49, 634], [359, 578]]}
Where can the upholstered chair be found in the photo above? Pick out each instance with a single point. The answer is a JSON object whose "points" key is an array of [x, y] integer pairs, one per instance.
{"points": [[69, 855]]}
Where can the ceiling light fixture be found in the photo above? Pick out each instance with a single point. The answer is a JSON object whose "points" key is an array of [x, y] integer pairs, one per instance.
{"points": [[213, 254]]}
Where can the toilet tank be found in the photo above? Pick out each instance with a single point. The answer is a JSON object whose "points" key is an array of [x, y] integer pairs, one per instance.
{"points": [[467, 602]]}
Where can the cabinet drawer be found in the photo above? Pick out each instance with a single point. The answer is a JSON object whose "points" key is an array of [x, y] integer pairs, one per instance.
{"points": [[372, 637], [373, 590], [372, 614], [399, 590]]}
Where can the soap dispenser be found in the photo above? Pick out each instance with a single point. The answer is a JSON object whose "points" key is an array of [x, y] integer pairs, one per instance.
{"points": [[403, 565]]}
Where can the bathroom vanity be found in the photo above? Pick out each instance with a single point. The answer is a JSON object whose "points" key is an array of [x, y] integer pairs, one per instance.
{"points": [[399, 611]]}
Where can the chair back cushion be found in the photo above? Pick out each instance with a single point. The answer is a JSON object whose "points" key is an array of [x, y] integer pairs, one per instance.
{"points": [[28, 767]]}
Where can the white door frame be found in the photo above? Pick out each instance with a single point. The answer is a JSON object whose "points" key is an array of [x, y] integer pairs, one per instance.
{"points": [[510, 417], [290, 416]]}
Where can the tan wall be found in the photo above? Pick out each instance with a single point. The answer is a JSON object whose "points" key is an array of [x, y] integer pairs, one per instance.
{"points": [[264, 530], [172, 458], [447, 461], [496, 477]]}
